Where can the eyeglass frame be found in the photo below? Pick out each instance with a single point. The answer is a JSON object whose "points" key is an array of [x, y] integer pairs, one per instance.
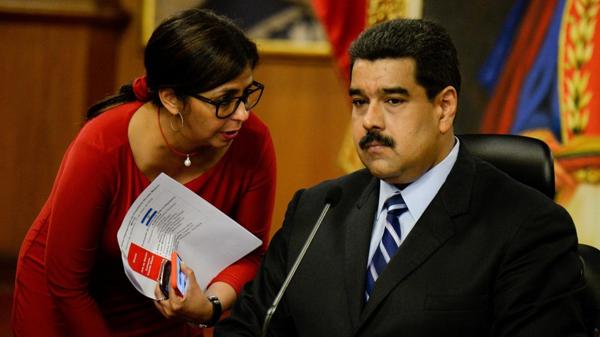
{"points": [[244, 98]]}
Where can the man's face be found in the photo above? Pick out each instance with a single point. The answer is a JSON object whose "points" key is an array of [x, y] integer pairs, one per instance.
{"points": [[398, 132]]}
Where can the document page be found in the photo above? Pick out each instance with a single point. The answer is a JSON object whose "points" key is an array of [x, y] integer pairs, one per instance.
{"points": [[168, 217]]}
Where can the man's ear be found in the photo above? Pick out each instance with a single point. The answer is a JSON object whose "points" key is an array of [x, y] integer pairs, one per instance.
{"points": [[170, 101], [447, 103]]}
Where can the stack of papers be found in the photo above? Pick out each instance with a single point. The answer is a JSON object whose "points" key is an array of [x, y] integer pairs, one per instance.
{"points": [[168, 217]]}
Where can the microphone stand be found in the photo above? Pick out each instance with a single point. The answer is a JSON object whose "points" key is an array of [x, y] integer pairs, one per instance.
{"points": [[273, 307]]}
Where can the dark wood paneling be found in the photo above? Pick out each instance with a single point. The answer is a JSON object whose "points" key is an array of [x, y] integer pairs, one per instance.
{"points": [[54, 63], [97, 13], [306, 107]]}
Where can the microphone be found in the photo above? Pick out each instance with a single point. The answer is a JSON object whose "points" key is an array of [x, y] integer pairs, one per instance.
{"points": [[331, 198]]}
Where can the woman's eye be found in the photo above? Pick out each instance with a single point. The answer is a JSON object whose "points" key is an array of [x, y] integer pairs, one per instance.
{"points": [[224, 100]]}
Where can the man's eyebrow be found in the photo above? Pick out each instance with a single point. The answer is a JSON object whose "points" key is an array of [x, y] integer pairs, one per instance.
{"points": [[353, 92], [396, 90]]}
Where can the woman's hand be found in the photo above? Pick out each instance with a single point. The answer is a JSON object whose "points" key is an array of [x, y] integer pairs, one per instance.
{"points": [[193, 306]]}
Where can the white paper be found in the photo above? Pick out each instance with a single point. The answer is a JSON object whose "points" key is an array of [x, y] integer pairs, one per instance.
{"points": [[168, 217]]}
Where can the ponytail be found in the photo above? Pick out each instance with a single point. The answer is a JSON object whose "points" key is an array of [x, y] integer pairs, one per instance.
{"points": [[136, 91]]}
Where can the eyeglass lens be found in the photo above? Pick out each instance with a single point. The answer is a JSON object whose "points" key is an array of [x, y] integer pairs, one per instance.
{"points": [[228, 108]]}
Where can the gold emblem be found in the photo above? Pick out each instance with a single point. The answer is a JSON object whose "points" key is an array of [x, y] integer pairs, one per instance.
{"points": [[384, 10], [578, 48]]}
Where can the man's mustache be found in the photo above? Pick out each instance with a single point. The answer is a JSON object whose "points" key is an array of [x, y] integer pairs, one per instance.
{"points": [[375, 136]]}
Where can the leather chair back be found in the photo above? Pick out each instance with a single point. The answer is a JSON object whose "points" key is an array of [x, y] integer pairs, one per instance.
{"points": [[529, 161], [526, 159], [591, 295]]}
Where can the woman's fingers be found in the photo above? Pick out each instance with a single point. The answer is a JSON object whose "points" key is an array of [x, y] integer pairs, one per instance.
{"points": [[158, 294], [193, 306]]}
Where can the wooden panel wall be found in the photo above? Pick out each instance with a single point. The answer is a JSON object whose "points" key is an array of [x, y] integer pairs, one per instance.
{"points": [[306, 107], [51, 51]]}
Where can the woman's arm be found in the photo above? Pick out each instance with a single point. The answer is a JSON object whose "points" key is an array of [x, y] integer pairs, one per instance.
{"points": [[254, 212], [78, 210]]}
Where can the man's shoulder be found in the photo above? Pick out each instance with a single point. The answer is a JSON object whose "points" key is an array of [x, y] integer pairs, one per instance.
{"points": [[355, 180], [496, 190], [350, 188]]}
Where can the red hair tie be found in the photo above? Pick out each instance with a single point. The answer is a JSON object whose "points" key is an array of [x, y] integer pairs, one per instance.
{"points": [[140, 89]]}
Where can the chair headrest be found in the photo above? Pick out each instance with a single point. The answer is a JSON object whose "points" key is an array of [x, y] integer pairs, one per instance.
{"points": [[525, 159]]}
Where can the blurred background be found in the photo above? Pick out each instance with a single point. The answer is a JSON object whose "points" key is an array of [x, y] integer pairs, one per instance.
{"points": [[60, 56]]}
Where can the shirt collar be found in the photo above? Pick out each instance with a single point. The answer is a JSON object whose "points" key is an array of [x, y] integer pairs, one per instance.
{"points": [[419, 194]]}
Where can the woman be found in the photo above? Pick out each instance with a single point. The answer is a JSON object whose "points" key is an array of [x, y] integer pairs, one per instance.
{"points": [[188, 117]]}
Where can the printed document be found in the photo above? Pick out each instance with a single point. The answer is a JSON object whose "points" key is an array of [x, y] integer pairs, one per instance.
{"points": [[168, 217]]}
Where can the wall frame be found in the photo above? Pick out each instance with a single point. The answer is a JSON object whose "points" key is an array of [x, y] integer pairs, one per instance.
{"points": [[312, 43]]}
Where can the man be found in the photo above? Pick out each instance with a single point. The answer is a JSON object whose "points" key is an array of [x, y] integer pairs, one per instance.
{"points": [[479, 254]]}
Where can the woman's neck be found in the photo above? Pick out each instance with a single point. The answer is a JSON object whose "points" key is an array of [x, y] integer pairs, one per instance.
{"points": [[153, 155]]}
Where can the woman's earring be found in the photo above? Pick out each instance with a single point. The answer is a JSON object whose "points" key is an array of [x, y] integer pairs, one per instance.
{"points": [[171, 123]]}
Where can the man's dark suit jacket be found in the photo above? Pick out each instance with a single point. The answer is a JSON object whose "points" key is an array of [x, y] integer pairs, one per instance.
{"points": [[489, 257]]}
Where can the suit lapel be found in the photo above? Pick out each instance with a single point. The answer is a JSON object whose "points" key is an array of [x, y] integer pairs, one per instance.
{"points": [[432, 230], [357, 236]]}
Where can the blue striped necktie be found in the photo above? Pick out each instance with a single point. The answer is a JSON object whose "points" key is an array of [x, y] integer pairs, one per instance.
{"points": [[389, 242]]}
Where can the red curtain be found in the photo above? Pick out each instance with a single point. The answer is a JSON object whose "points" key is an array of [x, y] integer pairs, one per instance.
{"points": [[343, 20]]}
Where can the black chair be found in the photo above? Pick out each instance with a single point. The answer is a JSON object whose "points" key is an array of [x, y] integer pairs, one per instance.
{"points": [[526, 159], [529, 161], [591, 295]]}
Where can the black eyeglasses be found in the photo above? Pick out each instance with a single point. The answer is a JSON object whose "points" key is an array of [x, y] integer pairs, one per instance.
{"points": [[227, 106]]}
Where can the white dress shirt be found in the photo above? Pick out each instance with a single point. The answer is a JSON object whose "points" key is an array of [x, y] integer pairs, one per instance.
{"points": [[417, 196]]}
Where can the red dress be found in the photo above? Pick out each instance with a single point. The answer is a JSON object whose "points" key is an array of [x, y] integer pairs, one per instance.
{"points": [[70, 279]]}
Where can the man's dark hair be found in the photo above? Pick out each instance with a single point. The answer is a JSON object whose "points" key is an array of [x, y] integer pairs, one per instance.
{"points": [[424, 41]]}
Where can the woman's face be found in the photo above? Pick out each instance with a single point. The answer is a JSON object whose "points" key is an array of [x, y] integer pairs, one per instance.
{"points": [[205, 129]]}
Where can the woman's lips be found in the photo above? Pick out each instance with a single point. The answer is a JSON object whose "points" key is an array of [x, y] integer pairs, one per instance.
{"points": [[228, 135]]}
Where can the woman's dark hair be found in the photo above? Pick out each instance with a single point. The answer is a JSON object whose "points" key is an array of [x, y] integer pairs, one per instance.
{"points": [[424, 41], [191, 52]]}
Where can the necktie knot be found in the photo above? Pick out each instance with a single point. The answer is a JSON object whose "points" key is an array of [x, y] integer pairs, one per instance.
{"points": [[395, 205]]}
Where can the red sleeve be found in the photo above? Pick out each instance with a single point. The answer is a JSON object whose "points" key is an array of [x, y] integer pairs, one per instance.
{"points": [[78, 209], [254, 212]]}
